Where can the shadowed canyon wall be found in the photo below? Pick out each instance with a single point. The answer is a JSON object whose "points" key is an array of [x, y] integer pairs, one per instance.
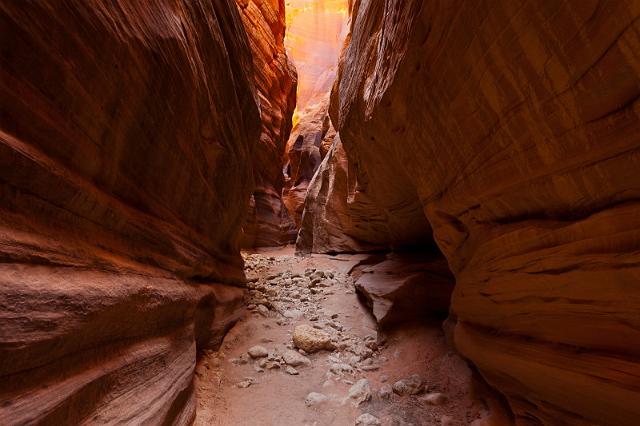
{"points": [[514, 129], [268, 222], [127, 129]]}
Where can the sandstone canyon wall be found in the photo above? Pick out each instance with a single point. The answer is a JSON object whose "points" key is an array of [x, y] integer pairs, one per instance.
{"points": [[513, 127], [268, 222], [315, 34], [126, 130]]}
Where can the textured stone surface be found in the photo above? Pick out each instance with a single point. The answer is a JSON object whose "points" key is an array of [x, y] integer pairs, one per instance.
{"points": [[311, 340], [514, 128], [309, 142], [268, 222], [340, 216], [405, 286], [126, 129]]}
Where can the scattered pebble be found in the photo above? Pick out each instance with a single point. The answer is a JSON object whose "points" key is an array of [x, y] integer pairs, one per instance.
{"points": [[290, 370], [295, 359], [412, 385], [315, 398], [360, 392], [434, 398], [258, 352], [367, 419], [248, 381], [385, 392]]}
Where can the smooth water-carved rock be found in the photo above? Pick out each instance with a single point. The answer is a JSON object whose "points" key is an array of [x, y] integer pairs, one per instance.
{"points": [[268, 222], [514, 129], [406, 286], [309, 143], [125, 135]]}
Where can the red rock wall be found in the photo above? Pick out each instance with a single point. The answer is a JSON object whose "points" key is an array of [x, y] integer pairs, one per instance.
{"points": [[268, 222], [126, 129], [312, 134], [515, 127]]}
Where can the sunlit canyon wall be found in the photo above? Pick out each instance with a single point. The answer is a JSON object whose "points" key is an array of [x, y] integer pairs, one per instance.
{"points": [[315, 34]]}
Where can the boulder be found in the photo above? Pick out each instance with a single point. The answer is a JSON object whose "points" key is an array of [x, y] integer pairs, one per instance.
{"points": [[311, 340]]}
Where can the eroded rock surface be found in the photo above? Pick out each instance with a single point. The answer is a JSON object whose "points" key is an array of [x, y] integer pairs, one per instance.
{"points": [[406, 286], [125, 134], [309, 142], [268, 222], [514, 129]]}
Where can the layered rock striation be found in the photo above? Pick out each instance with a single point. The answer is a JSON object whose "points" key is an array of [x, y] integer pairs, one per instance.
{"points": [[268, 222], [126, 130], [309, 142], [514, 129]]}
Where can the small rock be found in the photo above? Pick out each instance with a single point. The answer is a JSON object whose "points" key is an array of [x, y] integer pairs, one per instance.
{"points": [[410, 386], [339, 368], [315, 398], [294, 314], [291, 370], [257, 352], [372, 345], [243, 359], [311, 340], [248, 381], [295, 359], [434, 398], [384, 378], [369, 367], [385, 392], [360, 392], [263, 310], [367, 419]]}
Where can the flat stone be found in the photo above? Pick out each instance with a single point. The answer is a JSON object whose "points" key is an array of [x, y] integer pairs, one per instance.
{"points": [[295, 359], [360, 392], [367, 419], [412, 385], [315, 398], [263, 310], [258, 352], [248, 381], [294, 314], [435, 398], [291, 370]]}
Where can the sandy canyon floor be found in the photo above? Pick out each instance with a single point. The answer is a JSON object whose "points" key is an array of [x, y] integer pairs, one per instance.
{"points": [[405, 376]]}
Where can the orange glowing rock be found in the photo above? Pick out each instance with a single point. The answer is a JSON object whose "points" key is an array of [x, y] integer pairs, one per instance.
{"points": [[315, 32]]}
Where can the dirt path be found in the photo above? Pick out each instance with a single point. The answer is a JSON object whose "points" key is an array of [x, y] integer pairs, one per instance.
{"points": [[293, 387]]}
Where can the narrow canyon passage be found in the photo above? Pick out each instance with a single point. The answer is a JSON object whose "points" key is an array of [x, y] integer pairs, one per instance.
{"points": [[320, 212], [351, 369]]}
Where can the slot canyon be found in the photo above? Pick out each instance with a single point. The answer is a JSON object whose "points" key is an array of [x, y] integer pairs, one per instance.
{"points": [[320, 212]]}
